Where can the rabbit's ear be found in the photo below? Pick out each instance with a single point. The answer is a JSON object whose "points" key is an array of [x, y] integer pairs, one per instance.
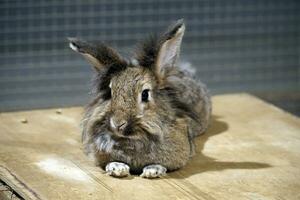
{"points": [[98, 55], [170, 47]]}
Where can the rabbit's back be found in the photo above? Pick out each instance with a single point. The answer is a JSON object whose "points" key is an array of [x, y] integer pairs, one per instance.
{"points": [[195, 94]]}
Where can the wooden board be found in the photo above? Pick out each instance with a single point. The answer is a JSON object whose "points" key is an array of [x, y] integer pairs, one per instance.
{"points": [[251, 151]]}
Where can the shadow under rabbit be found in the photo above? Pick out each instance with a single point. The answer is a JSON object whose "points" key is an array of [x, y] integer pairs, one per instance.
{"points": [[201, 163]]}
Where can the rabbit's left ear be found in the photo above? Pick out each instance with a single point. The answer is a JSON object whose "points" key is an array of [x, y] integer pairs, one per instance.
{"points": [[170, 47]]}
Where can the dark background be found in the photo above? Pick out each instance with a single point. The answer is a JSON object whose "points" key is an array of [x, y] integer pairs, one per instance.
{"points": [[235, 45]]}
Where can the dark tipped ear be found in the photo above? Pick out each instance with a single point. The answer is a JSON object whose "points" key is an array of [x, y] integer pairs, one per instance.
{"points": [[169, 50], [147, 51], [157, 53], [98, 55]]}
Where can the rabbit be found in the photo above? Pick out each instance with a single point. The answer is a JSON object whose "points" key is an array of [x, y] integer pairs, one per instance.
{"points": [[145, 112]]}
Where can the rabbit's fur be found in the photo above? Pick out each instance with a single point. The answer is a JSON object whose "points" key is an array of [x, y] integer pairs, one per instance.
{"points": [[118, 126]]}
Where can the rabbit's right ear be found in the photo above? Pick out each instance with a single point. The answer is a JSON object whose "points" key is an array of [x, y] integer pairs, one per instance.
{"points": [[98, 55], [169, 49]]}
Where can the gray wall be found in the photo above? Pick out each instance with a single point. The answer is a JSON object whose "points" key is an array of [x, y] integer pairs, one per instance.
{"points": [[236, 46]]}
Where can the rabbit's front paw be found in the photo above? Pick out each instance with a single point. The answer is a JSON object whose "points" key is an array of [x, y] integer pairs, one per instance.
{"points": [[117, 169], [153, 171]]}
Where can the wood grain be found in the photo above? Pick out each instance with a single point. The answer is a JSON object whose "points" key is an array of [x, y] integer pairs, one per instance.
{"points": [[251, 151]]}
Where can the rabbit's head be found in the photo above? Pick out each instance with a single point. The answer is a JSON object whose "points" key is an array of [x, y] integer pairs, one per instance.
{"points": [[139, 99]]}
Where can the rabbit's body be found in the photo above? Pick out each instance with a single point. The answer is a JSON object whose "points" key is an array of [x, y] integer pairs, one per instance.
{"points": [[145, 112]]}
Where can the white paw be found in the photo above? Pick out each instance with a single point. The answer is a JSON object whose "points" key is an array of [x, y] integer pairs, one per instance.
{"points": [[153, 171], [117, 169]]}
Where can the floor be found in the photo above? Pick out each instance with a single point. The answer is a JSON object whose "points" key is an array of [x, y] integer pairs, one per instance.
{"points": [[251, 151]]}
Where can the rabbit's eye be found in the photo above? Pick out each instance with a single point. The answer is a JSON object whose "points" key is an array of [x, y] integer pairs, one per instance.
{"points": [[145, 95]]}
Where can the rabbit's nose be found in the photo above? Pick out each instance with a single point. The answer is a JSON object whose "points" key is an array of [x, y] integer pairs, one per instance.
{"points": [[119, 126]]}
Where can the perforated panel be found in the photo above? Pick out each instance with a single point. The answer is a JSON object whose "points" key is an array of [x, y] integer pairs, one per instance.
{"points": [[235, 45]]}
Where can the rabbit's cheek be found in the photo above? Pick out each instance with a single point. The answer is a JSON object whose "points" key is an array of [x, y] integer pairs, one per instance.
{"points": [[144, 108]]}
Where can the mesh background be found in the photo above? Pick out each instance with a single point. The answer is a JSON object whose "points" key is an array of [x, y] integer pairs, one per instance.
{"points": [[235, 45]]}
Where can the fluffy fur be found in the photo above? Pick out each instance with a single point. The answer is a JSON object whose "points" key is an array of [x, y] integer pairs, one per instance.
{"points": [[160, 131]]}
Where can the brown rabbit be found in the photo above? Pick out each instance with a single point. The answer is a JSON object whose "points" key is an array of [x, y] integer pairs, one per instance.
{"points": [[146, 112]]}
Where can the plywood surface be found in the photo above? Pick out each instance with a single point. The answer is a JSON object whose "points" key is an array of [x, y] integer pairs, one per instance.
{"points": [[251, 151]]}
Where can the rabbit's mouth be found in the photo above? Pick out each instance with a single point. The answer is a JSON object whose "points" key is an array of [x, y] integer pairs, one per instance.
{"points": [[135, 131], [139, 129]]}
